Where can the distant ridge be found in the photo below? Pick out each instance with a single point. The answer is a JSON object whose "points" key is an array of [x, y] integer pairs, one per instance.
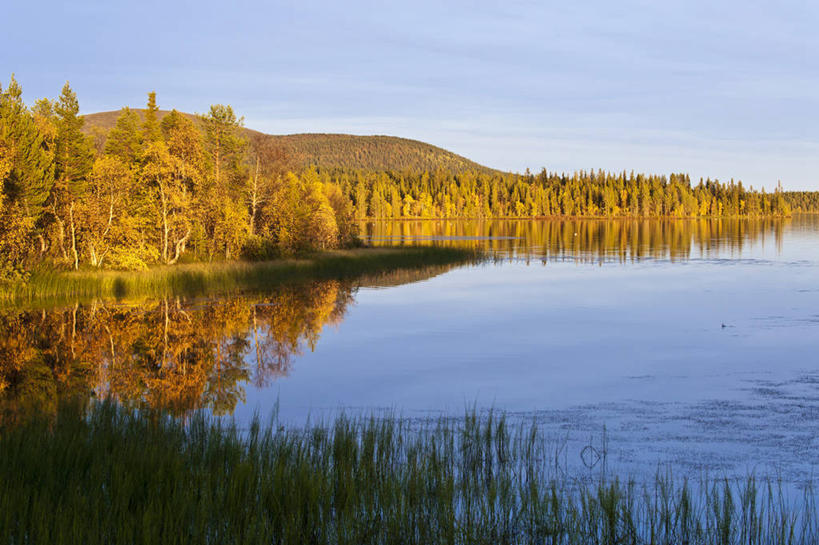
{"points": [[347, 151]]}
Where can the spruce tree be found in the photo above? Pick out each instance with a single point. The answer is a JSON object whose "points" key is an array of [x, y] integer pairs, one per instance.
{"points": [[74, 154], [73, 162], [224, 142], [126, 139], [151, 125], [29, 178]]}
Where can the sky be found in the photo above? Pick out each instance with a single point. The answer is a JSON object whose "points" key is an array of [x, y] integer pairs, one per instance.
{"points": [[726, 89]]}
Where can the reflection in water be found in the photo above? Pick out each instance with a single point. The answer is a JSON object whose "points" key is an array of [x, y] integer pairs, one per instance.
{"points": [[590, 240], [173, 353], [184, 354]]}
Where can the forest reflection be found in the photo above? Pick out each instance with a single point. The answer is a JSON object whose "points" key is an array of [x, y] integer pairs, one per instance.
{"points": [[172, 353], [587, 240]]}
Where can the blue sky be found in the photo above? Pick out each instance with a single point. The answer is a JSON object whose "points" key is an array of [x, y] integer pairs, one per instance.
{"points": [[722, 89]]}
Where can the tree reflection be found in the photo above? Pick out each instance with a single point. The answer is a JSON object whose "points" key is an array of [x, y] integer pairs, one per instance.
{"points": [[587, 240], [172, 353]]}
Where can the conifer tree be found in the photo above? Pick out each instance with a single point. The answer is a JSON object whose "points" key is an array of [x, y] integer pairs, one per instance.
{"points": [[223, 140], [126, 139], [15, 226], [29, 176], [73, 161], [151, 127], [74, 156], [224, 222]]}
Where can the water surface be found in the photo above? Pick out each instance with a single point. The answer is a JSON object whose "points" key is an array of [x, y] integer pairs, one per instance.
{"points": [[692, 342]]}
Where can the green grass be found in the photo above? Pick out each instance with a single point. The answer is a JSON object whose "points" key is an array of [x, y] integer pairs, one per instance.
{"points": [[205, 278], [108, 475]]}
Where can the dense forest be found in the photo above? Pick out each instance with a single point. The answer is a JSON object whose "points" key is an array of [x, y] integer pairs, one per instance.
{"points": [[151, 191], [441, 194], [156, 187], [803, 201]]}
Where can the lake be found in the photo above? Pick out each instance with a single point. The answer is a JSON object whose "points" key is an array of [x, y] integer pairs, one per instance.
{"points": [[689, 342]]}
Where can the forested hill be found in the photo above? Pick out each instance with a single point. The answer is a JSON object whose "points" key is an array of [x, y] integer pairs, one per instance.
{"points": [[377, 153], [347, 151], [156, 187]]}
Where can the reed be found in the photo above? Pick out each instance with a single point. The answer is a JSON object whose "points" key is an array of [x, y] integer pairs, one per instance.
{"points": [[230, 277], [105, 474]]}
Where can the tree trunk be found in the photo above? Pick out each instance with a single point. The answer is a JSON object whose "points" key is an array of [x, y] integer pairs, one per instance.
{"points": [[218, 169], [254, 198], [164, 224], [180, 247], [43, 246], [73, 237], [61, 232]]}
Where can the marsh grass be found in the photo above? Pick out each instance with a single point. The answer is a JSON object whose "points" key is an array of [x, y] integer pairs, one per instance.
{"points": [[104, 474], [206, 278]]}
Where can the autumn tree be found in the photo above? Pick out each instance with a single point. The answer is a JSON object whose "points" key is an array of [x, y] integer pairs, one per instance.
{"points": [[224, 142], [170, 187], [73, 161], [14, 226], [268, 162], [29, 176], [224, 214], [126, 139], [106, 224], [150, 127]]}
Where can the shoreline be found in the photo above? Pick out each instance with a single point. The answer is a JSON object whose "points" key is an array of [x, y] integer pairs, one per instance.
{"points": [[588, 218], [227, 277]]}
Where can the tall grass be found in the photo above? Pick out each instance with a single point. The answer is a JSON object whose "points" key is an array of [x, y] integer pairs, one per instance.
{"points": [[203, 278], [109, 475]]}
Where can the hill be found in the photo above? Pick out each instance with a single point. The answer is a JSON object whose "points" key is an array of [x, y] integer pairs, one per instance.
{"points": [[347, 151]]}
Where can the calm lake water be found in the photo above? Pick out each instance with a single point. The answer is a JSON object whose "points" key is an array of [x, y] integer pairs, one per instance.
{"points": [[694, 343]]}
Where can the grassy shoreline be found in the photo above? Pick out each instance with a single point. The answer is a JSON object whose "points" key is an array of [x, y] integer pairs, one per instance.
{"points": [[105, 474], [208, 278]]}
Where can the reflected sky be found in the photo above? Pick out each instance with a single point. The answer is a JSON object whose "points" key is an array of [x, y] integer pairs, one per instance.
{"points": [[691, 342]]}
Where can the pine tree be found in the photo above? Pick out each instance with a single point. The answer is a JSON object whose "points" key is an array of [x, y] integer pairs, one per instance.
{"points": [[29, 178], [223, 140], [226, 148], [15, 226], [151, 127], [74, 153], [126, 139], [73, 161]]}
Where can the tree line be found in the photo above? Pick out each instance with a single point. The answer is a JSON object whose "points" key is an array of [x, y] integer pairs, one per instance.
{"points": [[160, 191], [151, 191], [803, 201], [590, 241], [472, 194]]}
